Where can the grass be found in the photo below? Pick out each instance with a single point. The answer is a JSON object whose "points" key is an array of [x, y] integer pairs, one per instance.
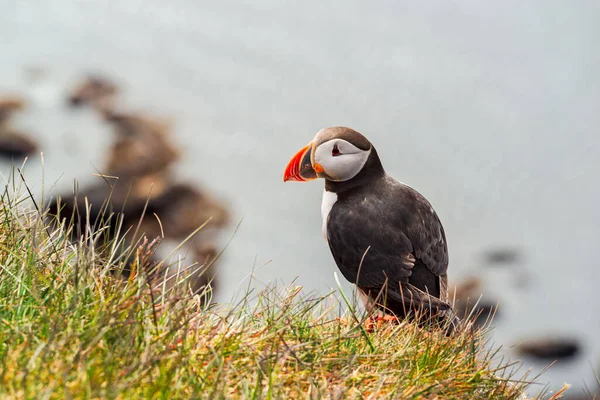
{"points": [[72, 327]]}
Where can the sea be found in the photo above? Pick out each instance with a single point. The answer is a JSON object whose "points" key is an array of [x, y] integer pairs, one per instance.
{"points": [[490, 109]]}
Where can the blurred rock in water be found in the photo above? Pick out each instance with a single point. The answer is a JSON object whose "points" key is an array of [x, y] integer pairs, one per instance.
{"points": [[509, 257], [183, 208], [93, 90], [467, 302], [176, 211], [8, 105], [16, 144], [13, 143], [139, 188], [549, 348], [502, 256], [142, 145]]}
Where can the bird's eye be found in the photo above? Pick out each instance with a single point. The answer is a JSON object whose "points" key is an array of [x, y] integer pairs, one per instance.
{"points": [[335, 151]]}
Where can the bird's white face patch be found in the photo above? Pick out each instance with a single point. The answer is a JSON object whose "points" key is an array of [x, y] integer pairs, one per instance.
{"points": [[329, 199], [341, 160]]}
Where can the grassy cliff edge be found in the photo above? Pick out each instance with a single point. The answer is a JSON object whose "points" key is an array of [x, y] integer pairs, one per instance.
{"points": [[71, 328]]}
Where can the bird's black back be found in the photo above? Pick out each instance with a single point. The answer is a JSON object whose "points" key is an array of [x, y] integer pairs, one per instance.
{"points": [[384, 231]]}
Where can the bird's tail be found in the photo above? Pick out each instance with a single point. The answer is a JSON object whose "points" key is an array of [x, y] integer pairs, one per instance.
{"points": [[410, 301]]}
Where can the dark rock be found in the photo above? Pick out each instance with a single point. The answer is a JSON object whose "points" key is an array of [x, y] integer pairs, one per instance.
{"points": [[142, 145], [467, 302], [10, 105], [137, 172], [485, 312], [93, 90], [502, 256], [137, 188], [549, 348], [12, 142], [180, 208], [15, 144], [183, 208]]}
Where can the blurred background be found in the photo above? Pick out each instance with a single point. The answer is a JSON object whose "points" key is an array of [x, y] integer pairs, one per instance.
{"points": [[488, 109]]}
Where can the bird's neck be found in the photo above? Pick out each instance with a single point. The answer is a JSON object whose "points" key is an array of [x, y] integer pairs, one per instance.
{"points": [[371, 172]]}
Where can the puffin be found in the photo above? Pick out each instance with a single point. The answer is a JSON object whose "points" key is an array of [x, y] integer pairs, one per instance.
{"points": [[384, 236]]}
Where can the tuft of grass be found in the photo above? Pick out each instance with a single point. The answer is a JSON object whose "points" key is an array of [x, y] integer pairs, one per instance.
{"points": [[72, 327]]}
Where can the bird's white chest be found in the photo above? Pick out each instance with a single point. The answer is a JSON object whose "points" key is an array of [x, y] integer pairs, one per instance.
{"points": [[329, 199]]}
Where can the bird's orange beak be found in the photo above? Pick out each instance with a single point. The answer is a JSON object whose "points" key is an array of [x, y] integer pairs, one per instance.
{"points": [[300, 167]]}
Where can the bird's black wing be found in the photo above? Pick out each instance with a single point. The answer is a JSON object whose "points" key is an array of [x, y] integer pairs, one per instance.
{"points": [[425, 232]]}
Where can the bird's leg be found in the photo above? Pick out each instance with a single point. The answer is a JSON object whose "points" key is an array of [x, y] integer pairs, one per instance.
{"points": [[389, 319], [369, 325], [377, 322]]}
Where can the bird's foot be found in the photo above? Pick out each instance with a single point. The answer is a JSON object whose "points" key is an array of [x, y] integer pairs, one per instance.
{"points": [[376, 323]]}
